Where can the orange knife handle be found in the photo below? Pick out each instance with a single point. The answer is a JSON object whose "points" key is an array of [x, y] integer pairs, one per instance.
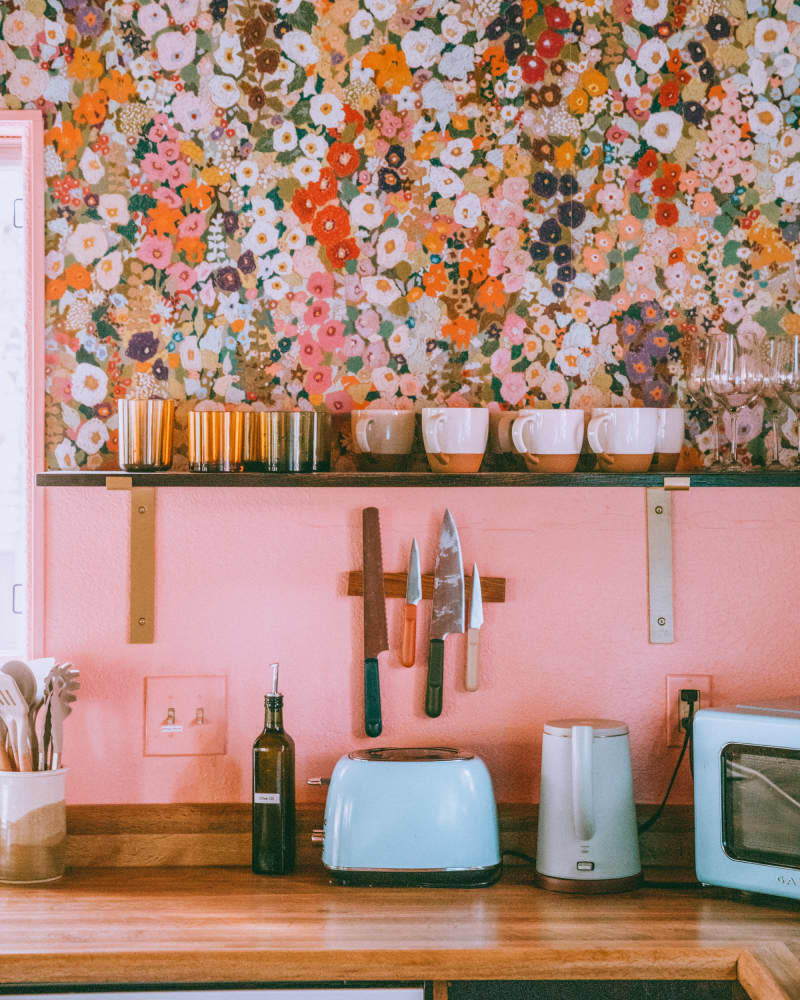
{"points": [[408, 650]]}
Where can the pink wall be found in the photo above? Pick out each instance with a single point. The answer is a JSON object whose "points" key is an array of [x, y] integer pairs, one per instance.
{"points": [[248, 576]]}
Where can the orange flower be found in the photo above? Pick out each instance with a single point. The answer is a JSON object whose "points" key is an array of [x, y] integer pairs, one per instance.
{"points": [[460, 331], [119, 86], [197, 195], [629, 228], [85, 65], [66, 138], [192, 248], [322, 190], [78, 277], [565, 155], [671, 172], [343, 158], [647, 163], [331, 225], [474, 263], [675, 255], [663, 187], [594, 260], [704, 203], [669, 94], [594, 82], [91, 109], [426, 147], [604, 240], [56, 287], [666, 213], [391, 69], [435, 280], [163, 220], [578, 101], [491, 295], [415, 294], [496, 58], [304, 205], [339, 253]]}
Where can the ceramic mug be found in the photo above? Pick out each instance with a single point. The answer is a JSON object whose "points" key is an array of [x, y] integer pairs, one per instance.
{"points": [[548, 440], [669, 438], [382, 439], [455, 438], [624, 439]]}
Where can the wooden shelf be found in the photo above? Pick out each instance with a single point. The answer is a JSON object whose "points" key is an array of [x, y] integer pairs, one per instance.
{"points": [[414, 479]]}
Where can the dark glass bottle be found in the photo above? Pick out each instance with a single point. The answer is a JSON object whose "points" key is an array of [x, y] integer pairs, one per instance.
{"points": [[273, 794]]}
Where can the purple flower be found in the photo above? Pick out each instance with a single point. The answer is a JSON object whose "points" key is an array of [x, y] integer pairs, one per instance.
{"points": [[629, 329], [228, 279], [73, 4], [247, 262], [656, 343], [142, 346], [230, 222], [638, 366], [651, 312], [655, 392], [89, 21], [160, 370]]}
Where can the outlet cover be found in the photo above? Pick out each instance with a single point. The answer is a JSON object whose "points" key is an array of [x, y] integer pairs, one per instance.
{"points": [[675, 684], [185, 716]]}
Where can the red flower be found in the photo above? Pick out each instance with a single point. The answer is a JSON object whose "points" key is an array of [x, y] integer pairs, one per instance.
{"points": [[666, 213], [669, 94], [343, 157], [324, 189], [549, 45], [303, 205], [340, 253], [663, 187], [648, 163], [532, 68], [556, 17], [331, 225]]}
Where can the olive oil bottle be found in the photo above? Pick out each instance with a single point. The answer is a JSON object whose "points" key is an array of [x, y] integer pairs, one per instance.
{"points": [[273, 791]]}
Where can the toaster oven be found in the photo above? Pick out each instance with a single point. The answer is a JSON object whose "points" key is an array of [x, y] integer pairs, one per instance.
{"points": [[747, 797]]}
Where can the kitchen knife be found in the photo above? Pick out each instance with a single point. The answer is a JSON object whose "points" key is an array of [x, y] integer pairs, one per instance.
{"points": [[475, 622], [448, 609], [413, 595], [375, 633]]}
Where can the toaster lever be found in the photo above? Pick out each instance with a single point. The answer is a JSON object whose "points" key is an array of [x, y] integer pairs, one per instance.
{"points": [[318, 781], [317, 836]]}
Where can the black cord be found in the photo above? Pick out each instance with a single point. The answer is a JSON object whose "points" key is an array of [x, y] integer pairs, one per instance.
{"points": [[520, 854], [687, 739]]}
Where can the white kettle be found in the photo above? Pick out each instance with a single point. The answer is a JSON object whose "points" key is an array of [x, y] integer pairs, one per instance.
{"points": [[587, 839]]}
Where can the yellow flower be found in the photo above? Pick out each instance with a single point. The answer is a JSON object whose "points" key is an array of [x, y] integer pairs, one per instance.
{"points": [[578, 101], [594, 82], [565, 155]]}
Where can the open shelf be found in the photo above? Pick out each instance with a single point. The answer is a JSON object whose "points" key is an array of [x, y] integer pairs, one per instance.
{"points": [[415, 479]]}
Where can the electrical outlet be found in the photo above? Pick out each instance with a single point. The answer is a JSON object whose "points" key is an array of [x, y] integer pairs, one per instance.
{"points": [[676, 710], [184, 716]]}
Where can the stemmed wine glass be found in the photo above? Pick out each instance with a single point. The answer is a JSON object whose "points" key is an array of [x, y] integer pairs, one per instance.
{"points": [[695, 377], [780, 370], [785, 378], [735, 378]]}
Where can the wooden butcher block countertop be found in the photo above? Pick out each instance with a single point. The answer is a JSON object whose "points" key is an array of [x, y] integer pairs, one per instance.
{"points": [[226, 925]]}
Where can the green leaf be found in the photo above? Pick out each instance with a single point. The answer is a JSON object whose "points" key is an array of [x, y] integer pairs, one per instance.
{"points": [[299, 79], [347, 190], [639, 210], [300, 113], [770, 320], [128, 231], [354, 365], [615, 277], [141, 203], [403, 270], [190, 76], [305, 17], [82, 356], [729, 253], [105, 329], [723, 224]]}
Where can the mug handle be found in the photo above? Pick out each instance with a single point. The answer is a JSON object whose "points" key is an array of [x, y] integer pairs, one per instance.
{"points": [[436, 423], [504, 424], [518, 438], [579, 434], [594, 435], [362, 434]]}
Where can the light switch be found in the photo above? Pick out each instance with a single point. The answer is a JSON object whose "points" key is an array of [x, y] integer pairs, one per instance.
{"points": [[185, 716]]}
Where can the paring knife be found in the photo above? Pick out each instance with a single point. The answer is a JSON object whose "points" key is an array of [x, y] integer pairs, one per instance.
{"points": [[475, 622], [448, 609], [413, 594], [376, 638]]}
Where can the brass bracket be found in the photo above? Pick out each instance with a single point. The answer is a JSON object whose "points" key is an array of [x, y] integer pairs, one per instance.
{"points": [[659, 558], [142, 559]]}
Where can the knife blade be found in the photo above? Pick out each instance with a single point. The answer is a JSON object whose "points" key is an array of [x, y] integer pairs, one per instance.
{"points": [[448, 609], [376, 638], [475, 622], [413, 595]]}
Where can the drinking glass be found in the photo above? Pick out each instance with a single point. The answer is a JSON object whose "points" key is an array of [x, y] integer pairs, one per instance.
{"points": [[735, 378], [786, 377], [777, 369], [695, 372]]}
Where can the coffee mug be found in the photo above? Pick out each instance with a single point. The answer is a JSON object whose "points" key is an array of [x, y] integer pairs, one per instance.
{"points": [[455, 438], [669, 438], [382, 439], [548, 440], [624, 439]]}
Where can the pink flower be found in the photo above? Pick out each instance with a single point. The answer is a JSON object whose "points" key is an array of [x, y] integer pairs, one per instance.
{"points": [[305, 261], [514, 328], [376, 355], [352, 346], [513, 282], [409, 385], [310, 351], [170, 150], [515, 189], [176, 50], [155, 166], [316, 313], [317, 381], [178, 174], [513, 387], [497, 262], [507, 239], [368, 323], [193, 225], [320, 285], [457, 400], [155, 250], [501, 361], [389, 123], [182, 276], [504, 213], [338, 402], [169, 196], [331, 335]]}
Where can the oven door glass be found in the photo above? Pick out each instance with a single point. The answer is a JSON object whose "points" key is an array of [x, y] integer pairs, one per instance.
{"points": [[761, 804]]}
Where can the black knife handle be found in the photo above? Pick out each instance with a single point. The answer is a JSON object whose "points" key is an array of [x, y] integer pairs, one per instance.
{"points": [[433, 690], [373, 723]]}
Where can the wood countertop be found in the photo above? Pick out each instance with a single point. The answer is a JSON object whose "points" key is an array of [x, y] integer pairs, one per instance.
{"points": [[226, 925]]}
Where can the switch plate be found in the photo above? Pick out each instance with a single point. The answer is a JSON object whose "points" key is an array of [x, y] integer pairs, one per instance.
{"points": [[173, 707], [675, 684]]}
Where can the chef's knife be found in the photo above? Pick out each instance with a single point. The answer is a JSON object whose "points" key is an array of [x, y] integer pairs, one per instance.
{"points": [[448, 609], [475, 622], [413, 595], [375, 633]]}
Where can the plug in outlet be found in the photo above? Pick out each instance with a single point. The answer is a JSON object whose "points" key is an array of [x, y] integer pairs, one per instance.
{"points": [[678, 710], [184, 716]]}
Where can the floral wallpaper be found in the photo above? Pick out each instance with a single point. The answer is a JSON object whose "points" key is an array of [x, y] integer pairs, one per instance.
{"points": [[344, 203]]}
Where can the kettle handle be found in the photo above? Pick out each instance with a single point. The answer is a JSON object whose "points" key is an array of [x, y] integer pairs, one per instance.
{"points": [[582, 794]]}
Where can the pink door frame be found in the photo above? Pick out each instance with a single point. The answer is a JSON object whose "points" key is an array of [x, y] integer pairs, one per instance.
{"points": [[26, 127]]}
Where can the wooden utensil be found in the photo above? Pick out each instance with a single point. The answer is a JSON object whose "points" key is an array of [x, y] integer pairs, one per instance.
{"points": [[14, 712]]}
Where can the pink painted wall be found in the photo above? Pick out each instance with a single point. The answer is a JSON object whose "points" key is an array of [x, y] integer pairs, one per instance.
{"points": [[248, 576]]}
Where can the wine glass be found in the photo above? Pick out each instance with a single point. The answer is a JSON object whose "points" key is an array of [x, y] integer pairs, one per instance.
{"points": [[777, 360], [695, 374], [735, 378], [786, 369]]}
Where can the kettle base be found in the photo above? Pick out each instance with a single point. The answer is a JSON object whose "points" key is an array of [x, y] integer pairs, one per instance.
{"points": [[465, 878], [588, 886]]}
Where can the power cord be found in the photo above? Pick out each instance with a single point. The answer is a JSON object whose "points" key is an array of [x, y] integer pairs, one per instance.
{"points": [[519, 854], [690, 697]]}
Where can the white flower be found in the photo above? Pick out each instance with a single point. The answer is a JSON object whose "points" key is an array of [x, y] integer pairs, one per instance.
{"points": [[293, 239], [467, 211], [65, 454], [288, 6], [297, 45], [91, 166], [275, 288], [787, 183], [20, 28], [263, 210], [176, 50], [784, 63], [224, 91], [789, 142], [306, 170], [191, 112], [53, 264], [281, 264], [228, 54], [361, 24], [758, 76], [313, 146], [421, 48], [439, 98], [380, 290], [284, 137], [765, 118], [381, 10], [457, 64], [183, 11], [662, 130], [652, 55], [89, 384], [327, 110], [191, 358], [55, 32], [365, 211], [457, 154], [247, 173], [771, 36], [626, 78], [108, 270], [152, 18], [87, 242], [453, 30], [391, 247], [92, 436], [114, 209], [27, 81], [649, 11], [261, 238], [444, 182]]}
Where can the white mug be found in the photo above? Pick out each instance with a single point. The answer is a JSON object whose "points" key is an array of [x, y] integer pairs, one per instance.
{"points": [[455, 437], [623, 438], [382, 438], [548, 440], [669, 438]]}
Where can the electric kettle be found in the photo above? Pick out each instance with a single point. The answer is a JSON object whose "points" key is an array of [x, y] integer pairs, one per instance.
{"points": [[587, 839]]}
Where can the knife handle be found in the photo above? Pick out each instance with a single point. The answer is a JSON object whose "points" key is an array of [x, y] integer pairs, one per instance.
{"points": [[471, 680], [433, 690], [372, 698], [408, 650]]}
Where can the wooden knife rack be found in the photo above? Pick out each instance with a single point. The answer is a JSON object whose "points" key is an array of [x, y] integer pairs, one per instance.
{"points": [[493, 588]]}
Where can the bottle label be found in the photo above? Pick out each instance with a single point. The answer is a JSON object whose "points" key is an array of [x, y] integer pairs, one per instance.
{"points": [[267, 798]]}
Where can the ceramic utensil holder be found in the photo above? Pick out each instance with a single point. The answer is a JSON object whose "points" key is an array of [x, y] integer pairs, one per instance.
{"points": [[216, 440], [33, 826], [145, 434]]}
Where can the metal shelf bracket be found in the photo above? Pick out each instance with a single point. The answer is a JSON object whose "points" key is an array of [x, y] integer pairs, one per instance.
{"points": [[659, 557], [142, 558]]}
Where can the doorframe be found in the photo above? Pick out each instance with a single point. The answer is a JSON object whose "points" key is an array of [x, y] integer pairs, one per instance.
{"points": [[26, 127]]}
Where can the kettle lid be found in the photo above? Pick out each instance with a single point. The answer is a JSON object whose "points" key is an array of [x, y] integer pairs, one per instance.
{"points": [[601, 727]]}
